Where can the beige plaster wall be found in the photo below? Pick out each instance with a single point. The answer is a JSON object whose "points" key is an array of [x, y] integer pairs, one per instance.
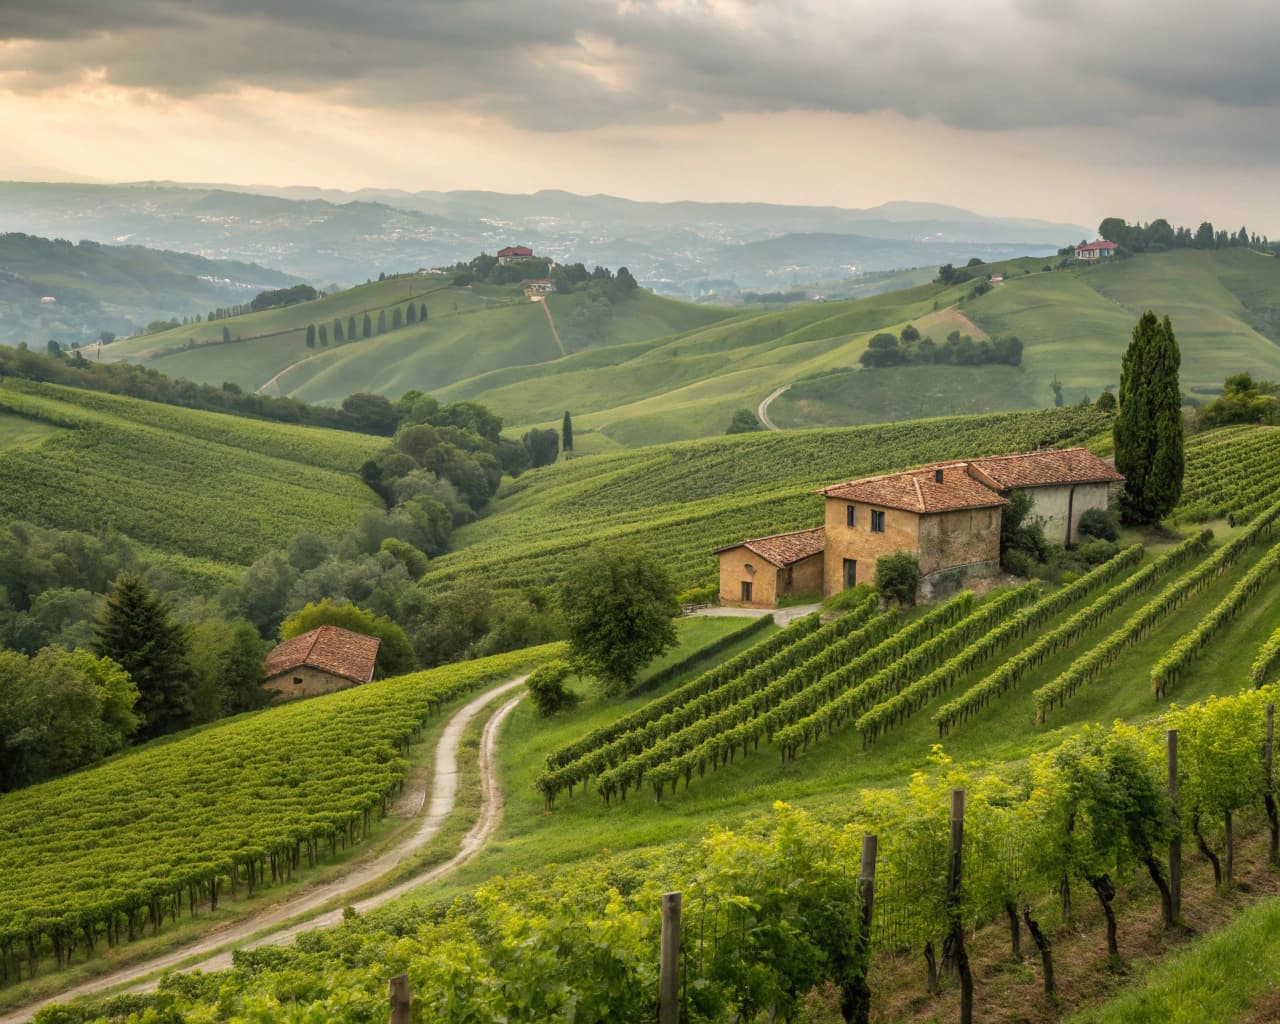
{"points": [[901, 533], [738, 565], [805, 576], [1051, 504]]}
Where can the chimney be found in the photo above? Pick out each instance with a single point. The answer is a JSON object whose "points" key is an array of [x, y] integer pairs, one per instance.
{"points": [[937, 476]]}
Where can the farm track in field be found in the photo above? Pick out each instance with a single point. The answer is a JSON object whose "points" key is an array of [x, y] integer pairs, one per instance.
{"points": [[279, 924]]}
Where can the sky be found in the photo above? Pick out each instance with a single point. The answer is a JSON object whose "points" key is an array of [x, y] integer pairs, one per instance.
{"points": [[1068, 110]]}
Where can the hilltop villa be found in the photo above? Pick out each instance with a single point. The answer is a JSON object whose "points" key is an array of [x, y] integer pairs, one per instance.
{"points": [[514, 254], [946, 514], [1098, 250]]}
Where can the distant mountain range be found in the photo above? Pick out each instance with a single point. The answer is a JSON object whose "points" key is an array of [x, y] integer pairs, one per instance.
{"points": [[682, 248]]}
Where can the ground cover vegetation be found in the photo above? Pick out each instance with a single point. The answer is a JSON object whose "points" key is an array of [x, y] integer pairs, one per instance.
{"points": [[175, 826], [771, 909]]}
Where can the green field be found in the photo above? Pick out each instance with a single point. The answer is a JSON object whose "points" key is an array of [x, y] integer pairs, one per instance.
{"points": [[890, 394], [22, 431], [1075, 323], [189, 483]]}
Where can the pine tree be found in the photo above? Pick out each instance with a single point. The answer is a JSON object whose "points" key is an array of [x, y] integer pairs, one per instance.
{"points": [[1148, 427], [566, 433], [136, 631]]}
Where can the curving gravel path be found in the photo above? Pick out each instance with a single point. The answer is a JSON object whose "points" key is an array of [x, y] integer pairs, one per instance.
{"points": [[282, 919], [762, 410]]}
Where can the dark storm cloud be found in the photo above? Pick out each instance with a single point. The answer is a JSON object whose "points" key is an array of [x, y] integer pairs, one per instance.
{"points": [[557, 64]]}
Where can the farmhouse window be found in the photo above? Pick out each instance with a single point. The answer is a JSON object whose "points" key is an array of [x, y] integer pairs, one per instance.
{"points": [[851, 516], [297, 680], [877, 522]]}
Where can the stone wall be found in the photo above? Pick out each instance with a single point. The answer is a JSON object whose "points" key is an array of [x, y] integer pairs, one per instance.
{"points": [[304, 682], [959, 538]]}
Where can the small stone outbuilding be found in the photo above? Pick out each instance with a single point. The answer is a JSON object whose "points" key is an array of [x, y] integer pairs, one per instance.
{"points": [[323, 660], [757, 572]]}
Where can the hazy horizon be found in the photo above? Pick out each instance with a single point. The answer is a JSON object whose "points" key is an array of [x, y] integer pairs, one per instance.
{"points": [[1064, 111]]}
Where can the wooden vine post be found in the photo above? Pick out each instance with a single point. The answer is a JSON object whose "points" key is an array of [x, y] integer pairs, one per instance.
{"points": [[1175, 835], [955, 866], [401, 1002], [1268, 784], [856, 998], [669, 966]]}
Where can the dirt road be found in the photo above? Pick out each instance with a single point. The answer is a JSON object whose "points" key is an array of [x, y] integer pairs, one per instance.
{"points": [[762, 410], [279, 924]]}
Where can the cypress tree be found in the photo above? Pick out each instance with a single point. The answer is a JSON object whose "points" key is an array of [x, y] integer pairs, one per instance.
{"points": [[311, 335], [382, 321], [411, 314], [1148, 427], [368, 326], [337, 331], [351, 328], [324, 335], [136, 631], [566, 433], [397, 319], [422, 313]]}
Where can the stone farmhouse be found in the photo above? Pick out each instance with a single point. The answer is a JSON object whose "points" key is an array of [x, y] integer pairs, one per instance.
{"points": [[946, 514], [320, 661]]}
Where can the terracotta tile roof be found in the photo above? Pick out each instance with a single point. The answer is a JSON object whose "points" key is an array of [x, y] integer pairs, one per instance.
{"points": [[917, 490], [1041, 469], [783, 549], [328, 649]]}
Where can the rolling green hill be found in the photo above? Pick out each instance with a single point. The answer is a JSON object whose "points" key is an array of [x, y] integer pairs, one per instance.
{"points": [[204, 487], [650, 370], [119, 288], [470, 331]]}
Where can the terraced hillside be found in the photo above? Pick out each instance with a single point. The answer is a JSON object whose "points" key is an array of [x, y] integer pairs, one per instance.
{"points": [[203, 486]]}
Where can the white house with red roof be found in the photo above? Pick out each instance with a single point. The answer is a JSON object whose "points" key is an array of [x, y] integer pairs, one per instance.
{"points": [[514, 254], [1096, 250]]}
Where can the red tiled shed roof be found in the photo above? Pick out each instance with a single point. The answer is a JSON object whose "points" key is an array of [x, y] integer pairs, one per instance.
{"points": [[918, 490], [1044, 469], [515, 250], [783, 549], [331, 649], [1101, 243]]}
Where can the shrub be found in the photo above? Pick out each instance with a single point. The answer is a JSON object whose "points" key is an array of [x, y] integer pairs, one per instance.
{"points": [[1099, 523], [1018, 563], [1095, 552], [898, 577], [546, 687]]}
